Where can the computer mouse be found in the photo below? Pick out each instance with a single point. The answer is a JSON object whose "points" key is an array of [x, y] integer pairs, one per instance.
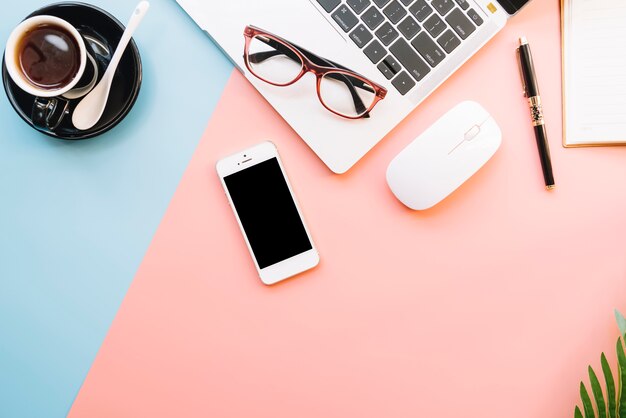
{"points": [[442, 158]]}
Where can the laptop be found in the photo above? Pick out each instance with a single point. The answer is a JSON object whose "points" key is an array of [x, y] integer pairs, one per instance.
{"points": [[408, 46]]}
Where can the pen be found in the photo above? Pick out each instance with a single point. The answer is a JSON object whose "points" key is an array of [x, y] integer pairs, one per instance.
{"points": [[531, 91]]}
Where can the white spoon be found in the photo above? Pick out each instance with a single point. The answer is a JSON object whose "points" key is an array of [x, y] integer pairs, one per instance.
{"points": [[90, 109]]}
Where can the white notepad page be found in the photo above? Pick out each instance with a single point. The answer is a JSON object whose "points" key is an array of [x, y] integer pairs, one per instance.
{"points": [[594, 72]]}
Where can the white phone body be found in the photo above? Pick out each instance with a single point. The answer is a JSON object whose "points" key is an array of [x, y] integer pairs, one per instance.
{"points": [[273, 244]]}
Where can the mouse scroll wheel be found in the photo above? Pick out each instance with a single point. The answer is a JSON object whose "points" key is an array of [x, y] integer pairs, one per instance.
{"points": [[472, 133]]}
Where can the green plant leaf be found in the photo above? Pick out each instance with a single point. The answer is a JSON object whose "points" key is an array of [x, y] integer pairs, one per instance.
{"points": [[610, 385], [577, 413], [621, 323], [587, 406], [621, 388], [597, 393]]}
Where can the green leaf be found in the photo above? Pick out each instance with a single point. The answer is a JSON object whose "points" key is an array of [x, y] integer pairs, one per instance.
{"points": [[621, 323], [610, 385], [597, 393], [587, 406], [621, 388], [577, 413]]}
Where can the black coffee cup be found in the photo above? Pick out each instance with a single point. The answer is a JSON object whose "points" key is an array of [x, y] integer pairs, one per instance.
{"points": [[47, 58]]}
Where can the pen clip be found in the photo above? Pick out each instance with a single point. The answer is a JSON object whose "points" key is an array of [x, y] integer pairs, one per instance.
{"points": [[521, 72]]}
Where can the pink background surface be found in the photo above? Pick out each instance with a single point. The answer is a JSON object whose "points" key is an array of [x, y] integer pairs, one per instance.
{"points": [[489, 305]]}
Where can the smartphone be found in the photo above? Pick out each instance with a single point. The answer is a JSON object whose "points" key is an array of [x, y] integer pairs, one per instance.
{"points": [[267, 212]]}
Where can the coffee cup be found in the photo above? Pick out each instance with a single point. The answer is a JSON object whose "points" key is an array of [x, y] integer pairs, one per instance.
{"points": [[46, 57]]}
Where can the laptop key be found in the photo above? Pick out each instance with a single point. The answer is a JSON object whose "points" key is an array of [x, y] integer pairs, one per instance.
{"points": [[443, 6], [382, 66], [463, 4], [428, 49], [461, 24], [475, 17], [448, 41], [406, 2], [409, 27], [392, 64], [409, 59], [403, 83], [386, 33], [389, 64], [358, 5], [375, 51], [345, 18], [329, 5], [361, 36], [421, 10], [434, 25], [372, 18], [381, 3], [395, 12]]}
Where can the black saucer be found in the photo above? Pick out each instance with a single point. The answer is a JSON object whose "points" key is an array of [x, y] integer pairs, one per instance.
{"points": [[102, 33]]}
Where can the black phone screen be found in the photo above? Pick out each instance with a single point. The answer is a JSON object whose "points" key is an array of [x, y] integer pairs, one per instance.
{"points": [[268, 213]]}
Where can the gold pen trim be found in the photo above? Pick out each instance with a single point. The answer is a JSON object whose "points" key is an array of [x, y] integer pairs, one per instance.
{"points": [[536, 110]]}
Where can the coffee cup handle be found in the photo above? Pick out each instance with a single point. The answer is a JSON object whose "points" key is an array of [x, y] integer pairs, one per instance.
{"points": [[48, 113]]}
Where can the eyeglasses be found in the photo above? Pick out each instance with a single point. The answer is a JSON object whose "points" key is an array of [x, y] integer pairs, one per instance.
{"points": [[281, 63]]}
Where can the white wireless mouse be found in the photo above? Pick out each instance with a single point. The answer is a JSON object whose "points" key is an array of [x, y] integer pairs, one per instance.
{"points": [[444, 156]]}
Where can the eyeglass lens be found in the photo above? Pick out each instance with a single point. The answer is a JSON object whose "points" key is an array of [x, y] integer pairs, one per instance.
{"points": [[276, 63]]}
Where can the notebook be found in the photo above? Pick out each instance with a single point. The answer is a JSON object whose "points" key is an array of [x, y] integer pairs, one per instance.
{"points": [[594, 72]]}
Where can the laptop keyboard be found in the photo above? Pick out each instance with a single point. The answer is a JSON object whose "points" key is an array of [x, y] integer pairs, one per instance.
{"points": [[405, 39]]}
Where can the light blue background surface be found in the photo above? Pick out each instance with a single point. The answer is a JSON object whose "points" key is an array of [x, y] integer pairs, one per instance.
{"points": [[77, 217]]}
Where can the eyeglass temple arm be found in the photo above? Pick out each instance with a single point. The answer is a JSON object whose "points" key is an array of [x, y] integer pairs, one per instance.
{"points": [[279, 48], [328, 63], [259, 57]]}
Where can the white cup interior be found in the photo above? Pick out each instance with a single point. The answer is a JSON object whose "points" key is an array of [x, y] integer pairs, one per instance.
{"points": [[13, 66]]}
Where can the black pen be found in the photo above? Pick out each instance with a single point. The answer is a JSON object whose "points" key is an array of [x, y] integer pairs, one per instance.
{"points": [[531, 91]]}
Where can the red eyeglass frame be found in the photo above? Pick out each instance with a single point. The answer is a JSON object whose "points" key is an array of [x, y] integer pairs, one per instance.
{"points": [[309, 66]]}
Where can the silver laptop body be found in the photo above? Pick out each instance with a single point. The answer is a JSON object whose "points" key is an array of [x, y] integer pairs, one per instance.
{"points": [[408, 46]]}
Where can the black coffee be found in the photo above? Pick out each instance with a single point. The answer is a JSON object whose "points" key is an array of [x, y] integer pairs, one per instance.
{"points": [[49, 56]]}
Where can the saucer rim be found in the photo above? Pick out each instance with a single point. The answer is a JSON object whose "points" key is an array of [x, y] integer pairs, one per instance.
{"points": [[130, 102]]}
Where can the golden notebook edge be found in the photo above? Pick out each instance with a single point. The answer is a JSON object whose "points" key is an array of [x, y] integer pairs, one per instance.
{"points": [[563, 86]]}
